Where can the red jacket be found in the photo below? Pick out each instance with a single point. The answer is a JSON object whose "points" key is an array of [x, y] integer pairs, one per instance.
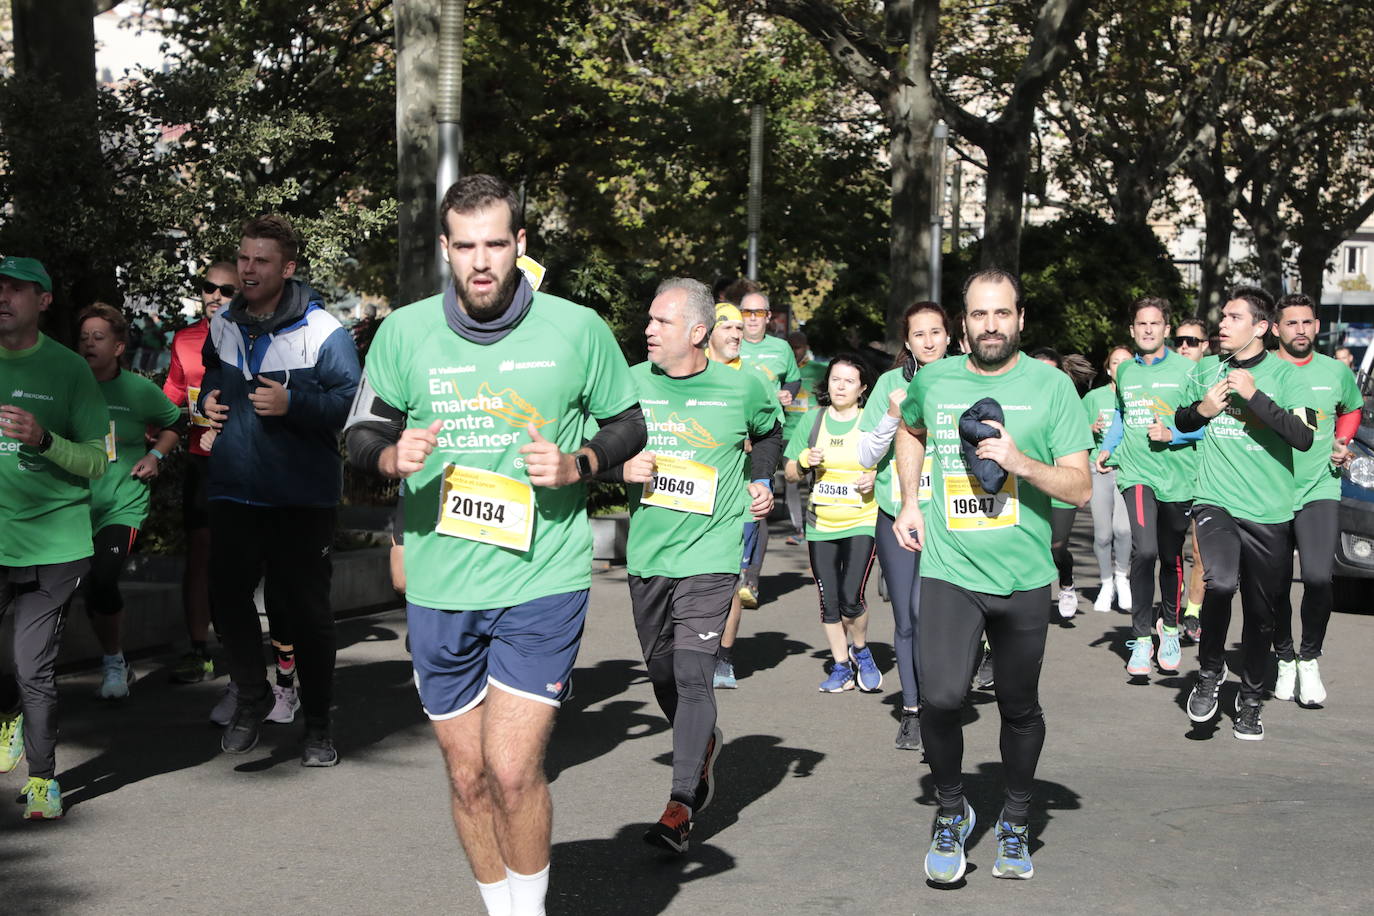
{"points": [[183, 378]]}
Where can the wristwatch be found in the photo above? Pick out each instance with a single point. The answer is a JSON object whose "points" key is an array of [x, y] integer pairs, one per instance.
{"points": [[45, 443], [584, 465]]}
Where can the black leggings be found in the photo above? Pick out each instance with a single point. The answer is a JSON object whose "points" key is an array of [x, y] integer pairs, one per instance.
{"points": [[953, 621], [112, 545], [1316, 528], [1061, 524], [1257, 560], [1158, 530], [841, 570], [902, 570]]}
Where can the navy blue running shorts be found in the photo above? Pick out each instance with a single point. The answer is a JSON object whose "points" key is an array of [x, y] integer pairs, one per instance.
{"points": [[528, 650]]}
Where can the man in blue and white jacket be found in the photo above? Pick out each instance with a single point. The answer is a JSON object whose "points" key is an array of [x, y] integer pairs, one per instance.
{"points": [[280, 374]]}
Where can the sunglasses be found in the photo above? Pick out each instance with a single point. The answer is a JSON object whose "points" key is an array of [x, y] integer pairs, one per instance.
{"points": [[754, 312], [1188, 341], [225, 289]]}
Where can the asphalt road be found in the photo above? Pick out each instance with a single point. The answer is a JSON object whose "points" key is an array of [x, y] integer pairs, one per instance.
{"points": [[816, 812]]}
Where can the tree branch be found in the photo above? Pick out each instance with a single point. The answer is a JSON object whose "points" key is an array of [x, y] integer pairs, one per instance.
{"points": [[863, 58]]}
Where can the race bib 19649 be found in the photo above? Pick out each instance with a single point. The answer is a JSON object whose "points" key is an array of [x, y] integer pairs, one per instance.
{"points": [[969, 508], [923, 494], [486, 507], [682, 485]]}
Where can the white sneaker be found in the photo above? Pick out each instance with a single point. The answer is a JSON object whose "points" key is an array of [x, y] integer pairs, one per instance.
{"points": [[1105, 594], [1123, 591], [1311, 690], [1068, 601], [285, 702], [116, 675], [1288, 676], [224, 707]]}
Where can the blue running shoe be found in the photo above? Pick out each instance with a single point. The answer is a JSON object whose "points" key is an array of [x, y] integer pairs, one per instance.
{"points": [[841, 679], [1170, 649], [724, 677], [1013, 852], [866, 672], [945, 860], [1141, 651]]}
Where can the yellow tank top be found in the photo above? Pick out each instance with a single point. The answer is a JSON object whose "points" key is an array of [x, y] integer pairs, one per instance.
{"points": [[837, 507]]}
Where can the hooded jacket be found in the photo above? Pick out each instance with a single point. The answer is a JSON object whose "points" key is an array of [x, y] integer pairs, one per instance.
{"points": [[290, 460]]}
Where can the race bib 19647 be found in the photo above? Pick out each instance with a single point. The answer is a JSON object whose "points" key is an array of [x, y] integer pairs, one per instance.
{"points": [[969, 508]]}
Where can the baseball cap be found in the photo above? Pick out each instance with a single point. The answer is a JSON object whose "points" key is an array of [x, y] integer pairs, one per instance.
{"points": [[727, 312], [30, 269]]}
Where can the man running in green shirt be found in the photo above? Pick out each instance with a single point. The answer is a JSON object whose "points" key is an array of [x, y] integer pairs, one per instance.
{"points": [[476, 400], [1155, 470], [690, 491], [53, 424], [984, 538], [1331, 391], [1257, 414]]}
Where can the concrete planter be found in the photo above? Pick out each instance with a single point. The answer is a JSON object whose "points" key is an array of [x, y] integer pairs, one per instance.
{"points": [[609, 533]]}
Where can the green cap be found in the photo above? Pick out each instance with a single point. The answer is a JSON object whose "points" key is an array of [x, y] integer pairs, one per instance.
{"points": [[30, 269]]}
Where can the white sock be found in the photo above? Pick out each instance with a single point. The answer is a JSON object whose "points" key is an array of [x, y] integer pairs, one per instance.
{"points": [[527, 892], [496, 896]]}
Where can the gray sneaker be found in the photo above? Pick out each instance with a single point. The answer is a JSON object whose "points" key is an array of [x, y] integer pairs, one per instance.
{"points": [[225, 706]]}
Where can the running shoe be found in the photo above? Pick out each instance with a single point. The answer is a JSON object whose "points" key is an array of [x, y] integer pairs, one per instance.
{"points": [[286, 701], [1068, 601], [1287, 680], [11, 740], [1105, 594], [42, 799], [706, 785], [116, 675], [224, 707], [193, 668], [1123, 591], [841, 679], [1170, 649], [748, 598], [793, 540], [985, 679], [241, 734], [672, 828], [1248, 726], [1311, 690], [1142, 649], [1202, 701], [866, 673], [1192, 625], [945, 860], [318, 749], [724, 678], [1013, 852], [909, 731]]}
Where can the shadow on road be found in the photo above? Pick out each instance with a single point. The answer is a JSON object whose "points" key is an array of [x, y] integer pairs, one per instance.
{"points": [[582, 734], [765, 650], [779, 585]]}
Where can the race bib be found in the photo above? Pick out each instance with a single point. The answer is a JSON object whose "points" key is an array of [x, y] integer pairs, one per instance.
{"points": [[193, 399], [681, 485], [801, 402], [532, 269], [110, 451], [486, 507], [836, 488], [923, 494], [969, 508]]}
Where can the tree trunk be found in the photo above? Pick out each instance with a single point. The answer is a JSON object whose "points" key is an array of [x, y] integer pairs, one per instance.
{"points": [[1214, 271], [911, 121], [417, 147], [1008, 165], [1312, 260]]}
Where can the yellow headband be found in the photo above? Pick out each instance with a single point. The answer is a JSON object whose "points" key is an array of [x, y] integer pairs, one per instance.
{"points": [[727, 312]]}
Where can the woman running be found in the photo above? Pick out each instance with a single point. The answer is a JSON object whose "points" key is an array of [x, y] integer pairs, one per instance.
{"points": [[925, 339], [839, 519], [119, 498], [1111, 526]]}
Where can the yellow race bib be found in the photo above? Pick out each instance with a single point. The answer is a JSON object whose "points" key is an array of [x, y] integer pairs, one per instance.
{"points": [[193, 399], [682, 485], [969, 508], [110, 451], [486, 507], [923, 494]]}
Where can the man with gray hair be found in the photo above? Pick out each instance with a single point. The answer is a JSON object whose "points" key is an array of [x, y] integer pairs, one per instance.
{"points": [[688, 504]]}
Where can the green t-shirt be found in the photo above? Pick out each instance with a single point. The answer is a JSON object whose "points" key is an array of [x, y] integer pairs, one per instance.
{"points": [[812, 377], [885, 485], [1099, 404], [1330, 389], [557, 366], [992, 543], [835, 509], [45, 514], [1243, 465], [1145, 394], [697, 428], [135, 404], [772, 358]]}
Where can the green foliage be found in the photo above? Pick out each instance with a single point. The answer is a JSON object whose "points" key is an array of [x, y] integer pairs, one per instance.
{"points": [[1079, 276]]}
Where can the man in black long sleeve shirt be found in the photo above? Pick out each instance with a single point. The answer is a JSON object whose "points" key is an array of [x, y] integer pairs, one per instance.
{"points": [[1252, 406]]}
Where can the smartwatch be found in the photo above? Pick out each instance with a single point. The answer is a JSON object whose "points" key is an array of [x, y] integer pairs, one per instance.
{"points": [[44, 443], [584, 465]]}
